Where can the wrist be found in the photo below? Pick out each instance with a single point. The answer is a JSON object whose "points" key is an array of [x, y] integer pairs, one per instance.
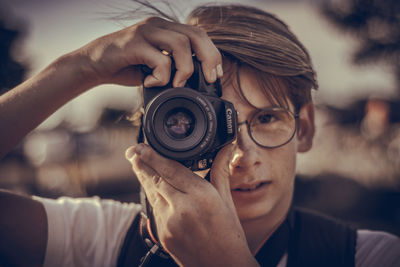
{"points": [[77, 70]]}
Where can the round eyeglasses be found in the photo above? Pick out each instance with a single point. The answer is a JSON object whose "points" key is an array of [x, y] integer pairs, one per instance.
{"points": [[271, 127]]}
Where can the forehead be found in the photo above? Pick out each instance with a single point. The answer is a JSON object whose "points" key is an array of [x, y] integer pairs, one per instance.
{"points": [[244, 85]]}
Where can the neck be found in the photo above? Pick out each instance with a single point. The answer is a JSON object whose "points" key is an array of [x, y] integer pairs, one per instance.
{"points": [[260, 229]]}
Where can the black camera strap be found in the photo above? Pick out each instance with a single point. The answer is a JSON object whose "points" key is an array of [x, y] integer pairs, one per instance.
{"points": [[153, 245], [139, 250], [148, 232]]}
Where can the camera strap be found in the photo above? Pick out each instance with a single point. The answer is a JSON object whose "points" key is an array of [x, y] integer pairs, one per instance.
{"points": [[148, 232], [139, 250], [153, 245]]}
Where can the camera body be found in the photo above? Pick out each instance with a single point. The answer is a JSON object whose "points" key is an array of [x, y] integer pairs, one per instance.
{"points": [[191, 123]]}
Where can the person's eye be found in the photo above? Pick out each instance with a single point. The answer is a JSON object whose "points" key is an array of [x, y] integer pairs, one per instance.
{"points": [[265, 118]]}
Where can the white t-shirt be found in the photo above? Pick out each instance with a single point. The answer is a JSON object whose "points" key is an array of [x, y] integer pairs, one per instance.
{"points": [[91, 231], [86, 231]]}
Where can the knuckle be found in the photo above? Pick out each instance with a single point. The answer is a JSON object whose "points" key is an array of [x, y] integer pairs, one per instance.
{"points": [[154, 20], [156, 179], [186, 72], [164, 80], [154, 200], [164, 61], [162, 71], [217, 56], [181, 40], [213, 56], [201, 38], [141, 28], [199, 32], [195, 31]]}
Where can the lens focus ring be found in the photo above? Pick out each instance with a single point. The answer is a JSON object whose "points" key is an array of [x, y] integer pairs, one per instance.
{"points": [[180, 123]]}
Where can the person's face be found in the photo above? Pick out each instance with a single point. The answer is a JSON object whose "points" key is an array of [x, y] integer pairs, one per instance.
{"points": [[262, 179]]}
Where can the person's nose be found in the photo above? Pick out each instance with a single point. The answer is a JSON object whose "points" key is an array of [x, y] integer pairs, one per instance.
{"points": [[245, 151]]}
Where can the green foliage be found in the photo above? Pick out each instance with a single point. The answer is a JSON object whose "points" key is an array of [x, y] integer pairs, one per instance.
{"points": [[11, 72], [376, 23]]}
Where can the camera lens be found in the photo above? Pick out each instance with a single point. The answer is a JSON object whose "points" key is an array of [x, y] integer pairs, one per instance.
{"points": [[179, 123]]}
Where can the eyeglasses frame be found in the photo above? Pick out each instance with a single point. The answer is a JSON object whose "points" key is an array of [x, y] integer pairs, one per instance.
{"points": [[295, 116]]}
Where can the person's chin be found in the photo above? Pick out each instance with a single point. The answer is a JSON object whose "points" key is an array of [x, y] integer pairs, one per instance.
{"points": [[251, 211]]}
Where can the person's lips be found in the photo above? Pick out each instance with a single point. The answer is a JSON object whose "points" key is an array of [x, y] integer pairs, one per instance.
{"points": [[250, 187], [250, 192]]}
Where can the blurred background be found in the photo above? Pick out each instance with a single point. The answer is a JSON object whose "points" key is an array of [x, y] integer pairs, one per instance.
{"points": [[352, 172]]}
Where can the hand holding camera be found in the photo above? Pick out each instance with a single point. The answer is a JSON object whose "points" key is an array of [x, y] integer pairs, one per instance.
{"points": [[116, 58], [191, 123], [196, 220]]}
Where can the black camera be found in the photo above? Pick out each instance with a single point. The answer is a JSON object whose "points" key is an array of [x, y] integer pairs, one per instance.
{"points": [[191, 123]]}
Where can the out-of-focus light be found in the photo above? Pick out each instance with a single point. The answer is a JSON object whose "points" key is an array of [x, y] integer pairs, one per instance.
{"points": [[47, 147]]}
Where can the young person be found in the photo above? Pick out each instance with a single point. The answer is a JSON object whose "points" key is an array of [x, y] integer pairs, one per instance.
{"points": [[243, 216]]}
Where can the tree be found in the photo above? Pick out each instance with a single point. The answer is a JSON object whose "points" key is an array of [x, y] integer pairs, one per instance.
{"points": [[376, 23], [12, 72]]}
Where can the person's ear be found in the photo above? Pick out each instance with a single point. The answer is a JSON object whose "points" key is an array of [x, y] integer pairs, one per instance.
{"points": [[306, 128]]}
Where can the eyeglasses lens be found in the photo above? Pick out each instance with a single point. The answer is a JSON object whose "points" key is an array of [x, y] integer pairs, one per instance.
{"points": [[272, 127]]}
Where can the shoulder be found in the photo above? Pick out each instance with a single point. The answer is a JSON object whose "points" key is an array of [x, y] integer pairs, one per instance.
{"points": [[377, 248], [318, 222], [319, 240], [89, 231]]}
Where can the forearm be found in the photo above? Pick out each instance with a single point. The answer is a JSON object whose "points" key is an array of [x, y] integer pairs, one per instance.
{"points": [[113, 58], [26, 106], [23, 230]]}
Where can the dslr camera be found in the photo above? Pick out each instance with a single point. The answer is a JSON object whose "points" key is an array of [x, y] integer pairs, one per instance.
{"points": [[191, 123]]}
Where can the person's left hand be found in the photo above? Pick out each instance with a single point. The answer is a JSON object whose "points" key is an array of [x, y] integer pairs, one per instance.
{"points": [[196, 220]]}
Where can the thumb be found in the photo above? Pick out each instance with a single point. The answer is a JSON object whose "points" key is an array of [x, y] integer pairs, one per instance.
{"points": [[219, 176]]}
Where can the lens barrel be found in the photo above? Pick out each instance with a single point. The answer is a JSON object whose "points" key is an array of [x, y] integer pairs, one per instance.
{"points": [[180, 123]]}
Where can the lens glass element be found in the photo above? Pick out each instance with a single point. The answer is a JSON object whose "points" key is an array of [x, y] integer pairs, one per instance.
{"points": [[272, 127], [179, 123]]}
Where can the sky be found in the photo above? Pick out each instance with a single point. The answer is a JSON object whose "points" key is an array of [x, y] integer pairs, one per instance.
{"points": [[56, 27]]}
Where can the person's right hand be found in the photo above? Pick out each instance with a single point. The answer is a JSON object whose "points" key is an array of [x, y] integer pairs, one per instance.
{"points": [[114, 58], [196, 220]]}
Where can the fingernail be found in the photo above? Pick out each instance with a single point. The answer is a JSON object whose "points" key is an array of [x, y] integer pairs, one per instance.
{"points": [[129, 153], [220, 71], [213, 75], [139, 148]]}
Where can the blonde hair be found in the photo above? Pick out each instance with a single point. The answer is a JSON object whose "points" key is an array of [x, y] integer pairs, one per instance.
{"points": [[248, 35]]}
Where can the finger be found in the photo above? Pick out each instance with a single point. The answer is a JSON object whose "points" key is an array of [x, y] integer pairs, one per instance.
{"points": [[149, 178], [219, 176], [143, 53], [178, 46], [174, 173], [202, 46], [206, 52], [160, 64]]}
